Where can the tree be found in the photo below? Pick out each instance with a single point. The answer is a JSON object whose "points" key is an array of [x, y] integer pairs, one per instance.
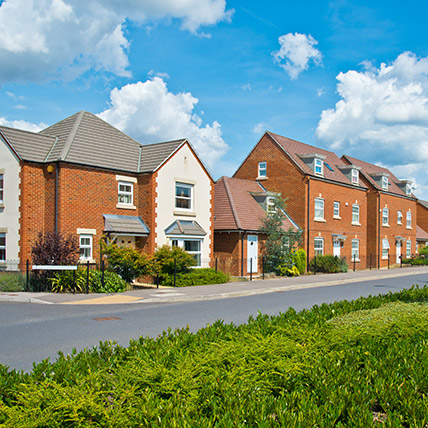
{"points": [[53, 248], [280, 243]]}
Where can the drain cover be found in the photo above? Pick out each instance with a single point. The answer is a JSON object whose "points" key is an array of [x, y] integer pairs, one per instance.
{"points": [[106, 318]]}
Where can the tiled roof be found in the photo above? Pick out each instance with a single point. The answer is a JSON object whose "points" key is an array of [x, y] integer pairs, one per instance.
{"points": [[423, 203], [125, 224], [153, 155], [421, 235], [236, 209], [28, 145], [185, 227], [369, 168]]}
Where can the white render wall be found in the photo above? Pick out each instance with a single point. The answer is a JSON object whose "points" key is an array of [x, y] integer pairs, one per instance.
{"points": [[183, 167], [9, 212]]}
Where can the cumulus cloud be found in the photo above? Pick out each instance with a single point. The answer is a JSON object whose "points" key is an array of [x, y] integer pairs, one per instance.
{"points": [[149, 113], [382, 116], [259, 128], [296, 52], [64, 38], [22, 124]]}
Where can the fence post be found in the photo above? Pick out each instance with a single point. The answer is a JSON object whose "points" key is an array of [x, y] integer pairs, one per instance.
{"points": [[74, 282], [102, 272], [175, 271], [157, 281], [263, 267], [216, 260], [27, 287], [251, 268], [354, 262], [388, 259], [315, 265], [87, 277], [401, 261], [370, 261]]}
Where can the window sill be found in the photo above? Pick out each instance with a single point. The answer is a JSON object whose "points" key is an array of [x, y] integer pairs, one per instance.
{"points": [[1, 205], [400, 224], [85, 261], [356, 260], [126, 206], [320, 220], [384, 258], [261, 178], [356, 224], [409, 228], [385, 225], [185, 213], [336, 217]]}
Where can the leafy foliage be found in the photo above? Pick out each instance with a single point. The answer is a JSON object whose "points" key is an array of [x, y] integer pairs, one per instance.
{"points": [[165, 255], [12, 281], [423, 251], [347, 364], [195, 277], [299, 260], [54, 248], [329, 264]]}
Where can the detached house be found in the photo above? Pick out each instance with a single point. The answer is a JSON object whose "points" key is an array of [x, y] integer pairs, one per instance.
{"points": [[324, 195], [391, 213], [84, 177], [239, 208]]}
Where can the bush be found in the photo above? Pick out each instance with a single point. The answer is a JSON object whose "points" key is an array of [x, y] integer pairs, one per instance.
{"points": [[165, 255], [195, 277], [286, 270], [12, 281], [329, 264], [54, 248], [299, 259], [423, 251], [417, 261]]}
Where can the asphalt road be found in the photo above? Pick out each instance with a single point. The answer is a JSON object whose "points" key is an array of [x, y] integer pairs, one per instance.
{"points": [[32, 332]]}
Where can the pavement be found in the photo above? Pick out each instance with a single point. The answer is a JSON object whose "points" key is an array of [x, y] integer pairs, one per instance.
{"points": [[210, 292]]}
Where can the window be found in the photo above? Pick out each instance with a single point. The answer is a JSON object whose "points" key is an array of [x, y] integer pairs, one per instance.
{"points": [[318, 167], [270, 205], [336, 210], [125, 193], [355, 250], [262, 169], [355, 214], [192, 246], [355, 176], [408, 249], [1, 188], [385, 217], [328, 167], [2, 247], [399, 217], [319, 209], [85, 242], [384, 182], [408, 220], [385, 248], [408, 189], [183, 196], [318, 246]]}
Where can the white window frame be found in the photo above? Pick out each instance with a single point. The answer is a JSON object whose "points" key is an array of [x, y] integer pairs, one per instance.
{"points": [[399, 217], [125, 193], [385, 216], [3, 248], [86, 246], [197, 255], [270, 205], [409, 220], [384, 182], [336, 209], [1, 188], [355, 250], [355, 177], [318, 250], [408, 248], [183, 197], [318, 167], [408, 189], [356, 214], [385, 248], [320, 201], [262, 170]]}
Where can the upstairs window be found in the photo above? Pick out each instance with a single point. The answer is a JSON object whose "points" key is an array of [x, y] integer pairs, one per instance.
{"points": [[85, 243], [385, 217], [399, 217], [408, 189], [2, 247], [319, 209], [262, 170], [355, 176], [270, 205], [384, 182], [183, 196], [409, 220], [336, 209], [318, 167], [125, 193], [355, 214], [1, 188]]}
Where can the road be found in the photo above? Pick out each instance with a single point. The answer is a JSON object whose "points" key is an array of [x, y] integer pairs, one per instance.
{"points": [[31, 332]]}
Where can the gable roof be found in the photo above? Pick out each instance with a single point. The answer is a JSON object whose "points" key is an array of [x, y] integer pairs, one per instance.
{"points": [[236, 209], [369, 168], [421, 235], [296, 149]]}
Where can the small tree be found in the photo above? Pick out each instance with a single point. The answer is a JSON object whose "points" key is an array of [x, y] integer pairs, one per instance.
{"points": [[279, 243], [54, 248]]}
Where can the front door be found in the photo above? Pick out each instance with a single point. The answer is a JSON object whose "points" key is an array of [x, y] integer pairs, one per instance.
{"points": [[336, 248], [252, 253], [398, 252]]}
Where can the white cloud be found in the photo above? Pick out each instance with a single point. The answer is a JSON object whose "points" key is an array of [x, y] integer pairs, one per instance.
{"points": [[149, 113], [64, 38], [320, 92], [382, 116], [296, 51], [22, 124], [246, 87], [259, 128]]}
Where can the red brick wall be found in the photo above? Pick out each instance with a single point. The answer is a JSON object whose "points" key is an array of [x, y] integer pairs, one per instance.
{"points": [[422, 216], [146, 206]]}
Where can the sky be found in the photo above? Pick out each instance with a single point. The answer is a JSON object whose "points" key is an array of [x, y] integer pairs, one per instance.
{"points": [[347, 76]]}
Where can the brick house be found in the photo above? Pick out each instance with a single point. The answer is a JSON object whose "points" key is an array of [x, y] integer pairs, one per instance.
{"points": [[391, 214], [324, 195], [422, 223], [84, 177], [239, 207]]}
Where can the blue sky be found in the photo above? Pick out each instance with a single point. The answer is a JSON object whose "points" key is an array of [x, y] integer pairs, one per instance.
{"points": [[347, 76]]}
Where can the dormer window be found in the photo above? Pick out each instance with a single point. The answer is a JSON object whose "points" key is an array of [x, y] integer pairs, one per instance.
{"points": [[408, 189], [384, 182], [270, 205], [318, 166], [262, 170], [355, 177]]}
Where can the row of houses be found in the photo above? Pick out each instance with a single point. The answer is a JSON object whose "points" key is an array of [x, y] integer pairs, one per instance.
{"points": [[82, 176]]}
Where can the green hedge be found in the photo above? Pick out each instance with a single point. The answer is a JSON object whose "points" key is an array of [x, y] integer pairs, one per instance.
{"points": [[361, 363], [201, 276], [12, 281], [329, 264]]}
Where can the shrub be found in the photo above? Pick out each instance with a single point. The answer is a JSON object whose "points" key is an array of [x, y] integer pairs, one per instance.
{"points": [[165, 255], [285, 270], [12, 281], [54, 248], [299, 259], [423, 251], [329, 264], [195, 277]]}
